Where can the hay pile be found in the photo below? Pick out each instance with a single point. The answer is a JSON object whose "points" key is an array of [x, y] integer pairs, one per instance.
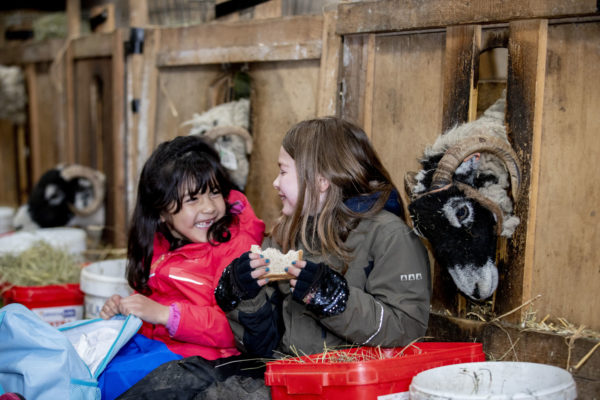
{"points": [[39, 265]]}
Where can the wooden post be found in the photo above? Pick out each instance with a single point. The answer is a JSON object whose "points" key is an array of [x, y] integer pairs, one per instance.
{"points": [[138, 13], [74, 18], [329, 70], [69, 63], [463, 45], [525, 91], [34, 121], [117, 189], [369, 87]]}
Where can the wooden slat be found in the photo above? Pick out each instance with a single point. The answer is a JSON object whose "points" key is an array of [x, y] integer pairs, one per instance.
{"points": [[407, 99], [369, 78], [235, 54], [13, 177], [23, 178], [30, 52], [567, 238], [399, 15], [330, 65], [138, 13], [461, 63], [96, 45], [352, 76], [34, 121], [290, 38], [68, 62], [463, 44], [142, 80], [74, 18], [285, 95], [525, 90], [119, 205]]}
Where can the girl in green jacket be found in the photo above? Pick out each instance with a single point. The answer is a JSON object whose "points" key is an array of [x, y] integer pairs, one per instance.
{"points": [[365, 276]]}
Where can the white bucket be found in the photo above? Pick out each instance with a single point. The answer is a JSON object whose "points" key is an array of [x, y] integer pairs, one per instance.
{"points": [[6, 216], [17, 242], [99, 281], [71, 240], [493, 381]]}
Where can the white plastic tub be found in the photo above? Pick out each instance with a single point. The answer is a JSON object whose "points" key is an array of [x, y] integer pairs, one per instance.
{"points": [[71, 240], [99, 281], [493, 381]]}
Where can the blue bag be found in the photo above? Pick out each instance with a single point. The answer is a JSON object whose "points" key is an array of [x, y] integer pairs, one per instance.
{"points": [[41, 362], [133, 362]]}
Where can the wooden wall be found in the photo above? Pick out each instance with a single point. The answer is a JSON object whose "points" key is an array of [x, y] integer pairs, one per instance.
{"points": [[401, 75], [408, 76], [404, 70]]}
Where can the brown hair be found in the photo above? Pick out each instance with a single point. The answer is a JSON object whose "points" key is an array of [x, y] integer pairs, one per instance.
{"points": [[340, 152]]}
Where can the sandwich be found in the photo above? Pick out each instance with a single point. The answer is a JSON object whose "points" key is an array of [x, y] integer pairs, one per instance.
{"points": [[277, 262]]}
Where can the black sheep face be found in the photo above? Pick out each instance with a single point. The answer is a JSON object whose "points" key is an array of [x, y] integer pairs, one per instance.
{"points": [[462, 234], [49, 200]]}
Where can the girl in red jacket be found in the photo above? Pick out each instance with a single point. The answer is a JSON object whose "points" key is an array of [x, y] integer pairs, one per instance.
{"points": [[188, 224]]}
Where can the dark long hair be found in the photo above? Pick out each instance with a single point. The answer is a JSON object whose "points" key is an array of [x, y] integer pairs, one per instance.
{"points": [[342, 153], [182, 166]]}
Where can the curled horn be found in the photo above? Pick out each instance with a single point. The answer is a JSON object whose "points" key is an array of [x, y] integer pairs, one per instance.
{"points": [[96, 177], [410, 181], [455, 155]]}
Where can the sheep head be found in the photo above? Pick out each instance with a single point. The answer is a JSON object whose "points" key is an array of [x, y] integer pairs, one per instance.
{"points": [[61, 194], [461, 204]]}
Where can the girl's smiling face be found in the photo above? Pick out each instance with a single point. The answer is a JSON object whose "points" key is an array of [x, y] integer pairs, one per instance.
{"points": [[198, 213], [286, 182]]}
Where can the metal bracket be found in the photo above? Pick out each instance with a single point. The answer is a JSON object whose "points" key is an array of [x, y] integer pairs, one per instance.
{"points": [[135, 44]]}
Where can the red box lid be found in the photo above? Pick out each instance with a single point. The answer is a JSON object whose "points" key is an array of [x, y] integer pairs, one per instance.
{"points": [[373, 366], [44, 296]]}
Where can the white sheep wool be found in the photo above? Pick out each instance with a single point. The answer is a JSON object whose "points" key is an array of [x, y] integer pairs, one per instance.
{"points": [[13, 96], [226, 127]]}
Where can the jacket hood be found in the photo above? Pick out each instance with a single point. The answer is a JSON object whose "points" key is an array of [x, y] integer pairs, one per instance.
{"points": [[361, 204]]}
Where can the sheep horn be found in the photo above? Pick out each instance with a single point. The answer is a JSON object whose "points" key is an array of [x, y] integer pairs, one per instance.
{"points": [[96, 177], [410, 181], [455, 155], [219, 131]]}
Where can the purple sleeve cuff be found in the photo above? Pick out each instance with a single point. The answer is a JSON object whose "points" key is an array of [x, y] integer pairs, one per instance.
{"points": [[174, 317]]}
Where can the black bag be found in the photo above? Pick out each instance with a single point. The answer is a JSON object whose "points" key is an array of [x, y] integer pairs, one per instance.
{"points": [[194, 378]]}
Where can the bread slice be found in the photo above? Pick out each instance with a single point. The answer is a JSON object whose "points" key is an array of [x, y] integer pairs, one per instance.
{"points": [[277, 262]]}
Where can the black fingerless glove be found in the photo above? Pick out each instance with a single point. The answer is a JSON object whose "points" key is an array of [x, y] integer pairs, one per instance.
{"points": [[324, 291], [236, 284]]}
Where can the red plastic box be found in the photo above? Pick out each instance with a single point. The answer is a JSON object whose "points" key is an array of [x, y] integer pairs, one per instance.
{"points": [[377, 372], [55, 304]]}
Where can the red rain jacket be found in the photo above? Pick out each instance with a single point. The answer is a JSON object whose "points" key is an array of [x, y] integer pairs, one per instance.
{"points": [[188, 276]]}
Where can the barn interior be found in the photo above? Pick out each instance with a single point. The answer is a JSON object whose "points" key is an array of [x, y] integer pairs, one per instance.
{"points": [[100, 83]]}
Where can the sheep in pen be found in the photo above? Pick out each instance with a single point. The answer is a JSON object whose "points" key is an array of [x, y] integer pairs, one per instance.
{"points": [[66, 195], [460, 201]]}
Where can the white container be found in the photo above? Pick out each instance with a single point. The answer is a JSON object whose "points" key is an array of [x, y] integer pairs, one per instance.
{"points": [[71, 240], [17, 242], [493, 381], [6, 216], [99, 281]]}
